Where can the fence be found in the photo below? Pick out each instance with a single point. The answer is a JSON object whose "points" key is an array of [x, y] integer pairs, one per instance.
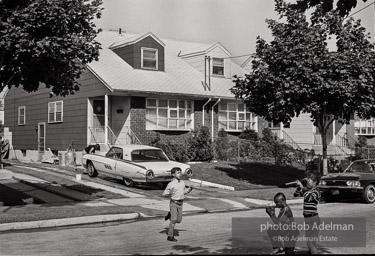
{"points": [[273, 151]]}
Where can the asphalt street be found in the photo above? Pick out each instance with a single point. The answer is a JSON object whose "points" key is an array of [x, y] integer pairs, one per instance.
{"points": [[197, 234]]}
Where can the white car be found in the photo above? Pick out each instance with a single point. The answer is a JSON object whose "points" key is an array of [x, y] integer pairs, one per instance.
{"points": [[134, 163]]}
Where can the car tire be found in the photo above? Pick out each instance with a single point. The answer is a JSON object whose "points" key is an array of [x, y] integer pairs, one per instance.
{"points": [[369, 194], [91, 171], [128, 182]]}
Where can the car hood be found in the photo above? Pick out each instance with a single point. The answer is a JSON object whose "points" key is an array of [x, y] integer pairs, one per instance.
{"points": [[341, 176], [162, 167]]}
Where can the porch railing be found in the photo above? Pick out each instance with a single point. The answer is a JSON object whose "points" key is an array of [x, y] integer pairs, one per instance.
{"points": [[97, 135], [112, 138], [133, 138], [287, 139]]}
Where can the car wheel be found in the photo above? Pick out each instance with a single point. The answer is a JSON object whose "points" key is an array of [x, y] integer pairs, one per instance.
{"points": [[128, 182], [91, 171], [369, 194]]}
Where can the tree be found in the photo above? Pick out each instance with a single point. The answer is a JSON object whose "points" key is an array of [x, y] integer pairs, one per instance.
{"points": [[47, 41], [342, 6], [297, 73]]}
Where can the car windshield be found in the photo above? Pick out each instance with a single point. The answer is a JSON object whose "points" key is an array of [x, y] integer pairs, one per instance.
{"points": [[363, 167], [149, 155]]}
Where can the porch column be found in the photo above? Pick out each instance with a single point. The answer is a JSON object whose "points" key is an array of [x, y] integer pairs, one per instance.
{"points": [[334, 132], [106, 119]]}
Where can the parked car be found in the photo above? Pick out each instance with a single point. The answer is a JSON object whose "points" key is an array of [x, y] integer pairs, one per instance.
{"points": [[358, 179], [134, 163]]}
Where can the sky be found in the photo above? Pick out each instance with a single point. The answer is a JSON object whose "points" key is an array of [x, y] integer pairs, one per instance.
{"points": [[234, 23]]}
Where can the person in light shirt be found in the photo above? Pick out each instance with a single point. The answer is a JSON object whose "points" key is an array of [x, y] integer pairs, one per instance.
{"points": [[176, 191]]}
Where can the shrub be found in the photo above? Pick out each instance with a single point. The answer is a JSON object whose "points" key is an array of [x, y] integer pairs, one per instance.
{"points": [[221, 146], [175, 151], [200, 145]]}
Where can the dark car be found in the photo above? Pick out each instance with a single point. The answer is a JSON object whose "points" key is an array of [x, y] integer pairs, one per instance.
{"points": [[358, 180]]}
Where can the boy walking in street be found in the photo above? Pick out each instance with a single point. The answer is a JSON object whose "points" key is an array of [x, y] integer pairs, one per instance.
{"points": [[285, 218], [311, 197], [176, 191]]}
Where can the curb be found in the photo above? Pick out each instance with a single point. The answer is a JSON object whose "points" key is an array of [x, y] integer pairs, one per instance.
{"points": [[68, 221], [206, 183]]}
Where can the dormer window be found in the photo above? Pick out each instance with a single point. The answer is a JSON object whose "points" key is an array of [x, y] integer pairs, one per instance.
{"points": [[149, 58], [218, 66]]}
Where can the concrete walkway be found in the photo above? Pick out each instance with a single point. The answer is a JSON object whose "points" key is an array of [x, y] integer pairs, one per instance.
{"points": [[192, 204]]}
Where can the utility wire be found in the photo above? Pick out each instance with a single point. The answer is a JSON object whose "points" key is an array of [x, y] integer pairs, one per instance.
{"points": [[360, 10]]}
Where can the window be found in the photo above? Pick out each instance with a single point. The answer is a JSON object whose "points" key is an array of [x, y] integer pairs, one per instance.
{"points": [[218, 66], [163, 114], [365, 127], [149, 58], [276, 126], [55, 112], [235, 117], [22, 115]]}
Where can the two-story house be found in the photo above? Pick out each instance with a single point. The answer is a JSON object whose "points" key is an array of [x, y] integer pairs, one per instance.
{"points": [[141, 85]]}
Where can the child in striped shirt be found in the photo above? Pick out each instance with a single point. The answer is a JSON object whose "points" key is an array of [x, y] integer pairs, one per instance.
{"points": [[311, 197]]}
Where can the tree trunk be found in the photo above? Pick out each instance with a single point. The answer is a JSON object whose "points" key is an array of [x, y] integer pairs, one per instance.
{"points": [[324, 145]]}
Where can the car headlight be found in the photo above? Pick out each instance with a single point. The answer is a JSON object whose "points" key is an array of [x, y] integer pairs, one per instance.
{"points": [[323, 183], [189, 172], [150, 174], [353, 183]]}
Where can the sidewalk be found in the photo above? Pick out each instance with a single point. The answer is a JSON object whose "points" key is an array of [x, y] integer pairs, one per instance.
{"points": [[204, 200]]}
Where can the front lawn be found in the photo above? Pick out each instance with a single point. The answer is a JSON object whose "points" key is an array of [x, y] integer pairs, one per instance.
{"points": [[244, 176]]}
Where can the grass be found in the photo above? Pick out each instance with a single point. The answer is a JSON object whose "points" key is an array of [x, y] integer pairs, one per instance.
{"points": [[249, 180], [245, 176]]}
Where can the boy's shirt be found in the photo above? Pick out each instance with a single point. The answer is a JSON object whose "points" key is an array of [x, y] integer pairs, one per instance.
{"points": [[310, 199], [176, 190]]}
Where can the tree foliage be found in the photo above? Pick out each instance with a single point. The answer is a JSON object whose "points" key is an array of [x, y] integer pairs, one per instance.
{"points": [[47, 41], [297, 73], [343, 7]]}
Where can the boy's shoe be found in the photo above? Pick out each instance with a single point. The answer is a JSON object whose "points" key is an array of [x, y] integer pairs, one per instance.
{"points": [[168, 216], [276, 251], [171, 238]]}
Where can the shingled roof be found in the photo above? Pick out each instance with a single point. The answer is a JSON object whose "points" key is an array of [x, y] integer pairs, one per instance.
{"points": [[179, 77]]}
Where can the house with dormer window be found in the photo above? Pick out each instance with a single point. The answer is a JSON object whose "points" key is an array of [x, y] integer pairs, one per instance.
{"points": [[141, 85]]}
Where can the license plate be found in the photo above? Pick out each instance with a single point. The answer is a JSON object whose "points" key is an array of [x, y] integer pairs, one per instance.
{"points": [[335, 192]]}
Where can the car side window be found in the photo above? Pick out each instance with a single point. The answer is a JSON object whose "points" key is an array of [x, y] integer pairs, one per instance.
{"points": [[115, 153]]}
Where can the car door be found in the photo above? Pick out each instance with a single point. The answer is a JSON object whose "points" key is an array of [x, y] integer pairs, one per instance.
{"points": [[109, 162]]}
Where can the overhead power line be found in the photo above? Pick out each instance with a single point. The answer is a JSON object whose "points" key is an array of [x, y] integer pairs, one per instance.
{"points": [[360, 10]]}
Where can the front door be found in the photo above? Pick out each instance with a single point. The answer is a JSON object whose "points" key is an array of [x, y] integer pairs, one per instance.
{"points": [[98, 122], [41, 137]]}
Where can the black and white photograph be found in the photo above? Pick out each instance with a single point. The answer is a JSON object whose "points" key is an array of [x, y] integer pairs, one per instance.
{"points": [[187, 127]]}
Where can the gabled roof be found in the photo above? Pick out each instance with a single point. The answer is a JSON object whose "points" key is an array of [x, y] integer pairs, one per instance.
{"points": [[204, 49], [133, 40], [179, 77]]}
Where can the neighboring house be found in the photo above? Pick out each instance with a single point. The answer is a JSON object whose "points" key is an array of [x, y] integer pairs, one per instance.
{"points": [[366, 128], [141, 85], [2, 97]]}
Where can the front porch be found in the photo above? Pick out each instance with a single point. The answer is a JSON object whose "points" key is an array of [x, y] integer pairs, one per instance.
{"points": [[108, 121]]}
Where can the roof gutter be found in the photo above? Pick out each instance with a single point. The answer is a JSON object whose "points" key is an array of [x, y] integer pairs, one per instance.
{"points": [[212, 117], [204, 105]]}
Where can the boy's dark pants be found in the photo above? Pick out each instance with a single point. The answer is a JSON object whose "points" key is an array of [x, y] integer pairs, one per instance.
{"points": [[176, 215]]}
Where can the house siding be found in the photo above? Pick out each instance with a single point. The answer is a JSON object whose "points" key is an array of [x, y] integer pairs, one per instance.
{"points": [[301, 130], [58, 135], [132, 53]]}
